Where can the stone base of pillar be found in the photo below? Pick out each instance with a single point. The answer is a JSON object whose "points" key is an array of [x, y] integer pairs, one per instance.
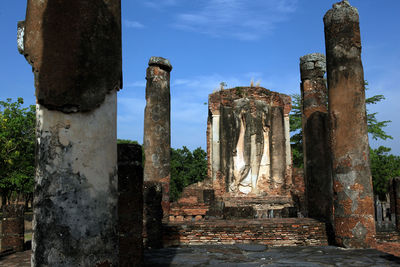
{"points": [[75, 206], [165, 203], [153, 214], [13, 228]]}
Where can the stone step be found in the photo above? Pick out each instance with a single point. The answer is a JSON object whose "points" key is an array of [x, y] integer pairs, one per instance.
{"points": [[244, 201], [391, 236], [271, 232]]}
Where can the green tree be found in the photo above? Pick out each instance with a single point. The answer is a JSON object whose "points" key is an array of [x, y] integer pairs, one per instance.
{"points": [[296, 139], [17, 150], [375, 127], [127, 141], [186, 168], [384, 167]]}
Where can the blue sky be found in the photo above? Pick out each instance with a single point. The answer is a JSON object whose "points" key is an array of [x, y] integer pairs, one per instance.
{"points": [[234, 41]]}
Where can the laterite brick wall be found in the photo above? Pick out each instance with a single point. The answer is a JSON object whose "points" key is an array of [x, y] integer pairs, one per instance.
{"points": [[271, 232]]}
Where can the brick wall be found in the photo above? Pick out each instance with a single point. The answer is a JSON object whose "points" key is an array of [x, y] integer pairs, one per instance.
{"points": [[392, 236], [13, 227], [271, 232]]}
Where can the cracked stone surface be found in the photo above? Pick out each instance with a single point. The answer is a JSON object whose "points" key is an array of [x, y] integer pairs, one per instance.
{"points": [[255, 255], [248, 255]]}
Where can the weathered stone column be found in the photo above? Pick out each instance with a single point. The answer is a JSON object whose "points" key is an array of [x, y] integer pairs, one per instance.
{"points": [[215, 146], [157, 146], [74, 48], [287, 100], [12, 228], [278, 146], [130, 205], [352, 182], [396, 189], [317, 163]]}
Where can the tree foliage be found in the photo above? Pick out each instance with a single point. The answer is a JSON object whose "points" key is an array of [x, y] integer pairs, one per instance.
{"points": [[296, 139], [126, 141], [17, 148], [384, 167], [375, 127], [186, 168]]}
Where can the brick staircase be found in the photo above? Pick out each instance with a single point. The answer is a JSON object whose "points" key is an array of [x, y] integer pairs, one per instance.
{"points": [[193, 205], [270, 232], [198, 203]]}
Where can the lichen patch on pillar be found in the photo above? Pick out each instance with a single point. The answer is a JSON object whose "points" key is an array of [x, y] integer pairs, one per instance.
{"points": [[75, 202]]}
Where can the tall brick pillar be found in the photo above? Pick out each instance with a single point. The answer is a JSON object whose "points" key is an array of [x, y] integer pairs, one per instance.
{"points": [[396, 189], [317, 163], [157, 146], [352, 183], [12, 228], [130, 205], [74, 48]]}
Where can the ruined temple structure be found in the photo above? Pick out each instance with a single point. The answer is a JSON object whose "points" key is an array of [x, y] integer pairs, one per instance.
{"points": [[250, 195], [248, 148], [85, 216], [249, 158]]}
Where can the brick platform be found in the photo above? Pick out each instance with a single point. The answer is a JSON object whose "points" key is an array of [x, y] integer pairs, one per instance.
{"points": [[392, 236], [271, 232]]}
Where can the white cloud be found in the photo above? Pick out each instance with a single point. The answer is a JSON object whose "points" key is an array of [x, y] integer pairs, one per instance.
{"points": [[237, 19], [158, 4], [133, 24]]}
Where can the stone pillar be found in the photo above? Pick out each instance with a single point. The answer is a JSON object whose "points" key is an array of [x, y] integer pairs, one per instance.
{"points": [[396, 189], [12, 228], [157, 146], [317, 163], [278, 146], [130, 205], [74, 48], [215, 147], [352, 182], [287, 100]]}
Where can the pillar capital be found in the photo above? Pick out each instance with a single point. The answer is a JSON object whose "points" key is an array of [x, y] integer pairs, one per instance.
{"points": [[74, 48], [312, 66], [163, 63], [340, 12]]}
